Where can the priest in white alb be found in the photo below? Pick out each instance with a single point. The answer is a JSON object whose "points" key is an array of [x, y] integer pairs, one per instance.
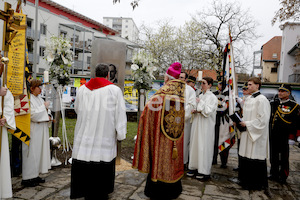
{"points": [[6, 122], [101, 122], [254, 142], [203, 132]]}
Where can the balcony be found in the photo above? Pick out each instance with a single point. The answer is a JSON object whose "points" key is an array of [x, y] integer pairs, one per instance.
{"points": [[30, 57], [79, 46], [77, 65], [30, 33]]}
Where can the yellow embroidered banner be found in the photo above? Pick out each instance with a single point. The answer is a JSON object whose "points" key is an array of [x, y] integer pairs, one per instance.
{"points": [[16, 55], [23, 128]]}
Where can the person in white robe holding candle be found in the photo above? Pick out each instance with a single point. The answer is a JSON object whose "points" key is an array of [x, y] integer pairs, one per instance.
{"points": [[36, 156]]}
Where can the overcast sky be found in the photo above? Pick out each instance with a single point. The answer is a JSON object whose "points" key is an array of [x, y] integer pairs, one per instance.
{"points": [[179, 11]]}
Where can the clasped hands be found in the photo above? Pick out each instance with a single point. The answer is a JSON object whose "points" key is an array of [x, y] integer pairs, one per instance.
{"points": [[2, 121]]}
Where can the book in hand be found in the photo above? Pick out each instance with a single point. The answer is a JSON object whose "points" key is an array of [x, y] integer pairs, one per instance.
{"points": [[236, 118]]}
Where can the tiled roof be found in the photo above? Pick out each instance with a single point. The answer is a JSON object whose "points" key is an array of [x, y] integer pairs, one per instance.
{"points": [[210, 73]]}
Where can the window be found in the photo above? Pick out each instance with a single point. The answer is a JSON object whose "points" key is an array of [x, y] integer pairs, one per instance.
{"points": [[63, 34], [30, 46], [107, 20], [29, 23], [126, 20], [126, 26], [88, 60], [42, 51], [76, 55], [274, 70], [274, 55], [43, 29], [76, 38]]}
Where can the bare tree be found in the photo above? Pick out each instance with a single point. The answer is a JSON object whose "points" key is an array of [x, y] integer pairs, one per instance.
{"points": [[215, 23], [160, 42], [133, 3], [290, 9]]}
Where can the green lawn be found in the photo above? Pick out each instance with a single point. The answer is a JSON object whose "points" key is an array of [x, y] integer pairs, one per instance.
{"points": [[70, 126]]}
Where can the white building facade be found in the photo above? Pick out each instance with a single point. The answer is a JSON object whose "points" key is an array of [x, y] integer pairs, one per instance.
{"points": [[54, 19], [125, 26], [289, 69]]}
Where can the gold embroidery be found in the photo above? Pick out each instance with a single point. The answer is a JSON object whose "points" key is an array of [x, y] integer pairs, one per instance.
{"points": [[172, 121]]}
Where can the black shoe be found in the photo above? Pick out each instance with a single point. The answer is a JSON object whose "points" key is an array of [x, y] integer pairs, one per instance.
{"points": [[29, 183], [202, 177], [235, 169], [39, 180], [223, 166], [191, 173]]}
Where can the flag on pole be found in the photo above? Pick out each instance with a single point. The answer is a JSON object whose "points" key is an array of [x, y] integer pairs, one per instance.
{"points": [[229, 81]]}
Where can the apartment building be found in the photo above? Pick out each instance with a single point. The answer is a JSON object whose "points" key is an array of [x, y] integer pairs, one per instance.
{"points": [[55, 19], [125, 26]]}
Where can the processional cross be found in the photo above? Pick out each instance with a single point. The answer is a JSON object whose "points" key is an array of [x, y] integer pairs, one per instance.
{"points": [[10, 30]]}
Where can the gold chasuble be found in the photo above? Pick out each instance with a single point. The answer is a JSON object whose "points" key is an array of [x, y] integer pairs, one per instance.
{"points": [[159, 144]]}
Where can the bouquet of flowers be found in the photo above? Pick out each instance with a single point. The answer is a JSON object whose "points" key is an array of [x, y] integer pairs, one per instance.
{"points": [[59, 57], [143, 69]]}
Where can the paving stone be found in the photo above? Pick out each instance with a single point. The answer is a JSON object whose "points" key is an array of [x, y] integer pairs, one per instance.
{"points": [[139, 194], [28, 193], [187, 197], [58, 183], [258, 195], [122, 191], [226, 192], [192, 187], [131, 177]]}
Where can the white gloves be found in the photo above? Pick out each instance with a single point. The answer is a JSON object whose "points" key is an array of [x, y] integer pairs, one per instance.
{"points": [[298, 139]]}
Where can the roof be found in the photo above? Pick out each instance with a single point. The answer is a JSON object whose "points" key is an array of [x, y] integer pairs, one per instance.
{"points": [[206, 72], [271, 47], [289, 24], [74, 16]]}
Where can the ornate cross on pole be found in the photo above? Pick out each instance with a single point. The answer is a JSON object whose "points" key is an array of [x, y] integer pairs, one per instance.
{"points": [[10, 30]]}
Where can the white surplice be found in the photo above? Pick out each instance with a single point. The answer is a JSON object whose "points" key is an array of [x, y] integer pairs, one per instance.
{"points": [[190, 104], [254, 142], [5, 175], [203, 134], [36, 156], [101, 121]]}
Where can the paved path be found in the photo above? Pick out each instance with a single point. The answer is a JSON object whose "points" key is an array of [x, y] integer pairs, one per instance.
{"points": [[130, 184]]}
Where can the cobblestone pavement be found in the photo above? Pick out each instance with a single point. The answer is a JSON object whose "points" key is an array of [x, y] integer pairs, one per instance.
{"points": [[130, 184]]}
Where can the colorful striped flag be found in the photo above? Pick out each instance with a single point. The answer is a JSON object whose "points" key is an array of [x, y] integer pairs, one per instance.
{"points": [[229, 80]]}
